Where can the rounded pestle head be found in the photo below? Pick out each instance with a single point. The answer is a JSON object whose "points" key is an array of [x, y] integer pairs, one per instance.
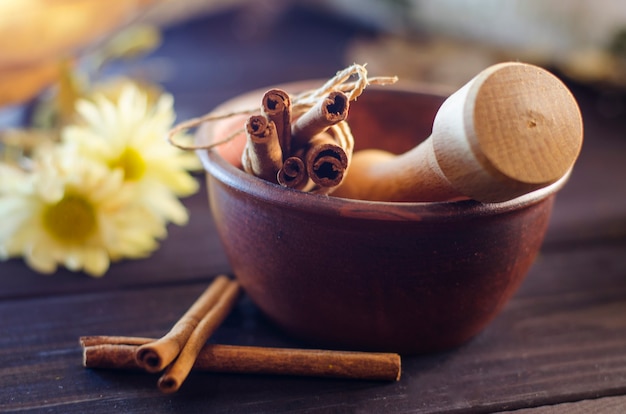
{"points": [[512, 129]]}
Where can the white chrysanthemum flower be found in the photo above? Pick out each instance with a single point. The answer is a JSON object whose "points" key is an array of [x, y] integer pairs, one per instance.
{"points": [[128, 135], [74, 213], [11, 178]]}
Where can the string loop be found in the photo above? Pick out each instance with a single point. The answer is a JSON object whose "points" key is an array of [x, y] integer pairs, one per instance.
{"points": [[300, 103]]}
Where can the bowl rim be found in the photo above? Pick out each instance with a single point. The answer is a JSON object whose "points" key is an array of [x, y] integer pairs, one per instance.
{"points": [[328, 205]]}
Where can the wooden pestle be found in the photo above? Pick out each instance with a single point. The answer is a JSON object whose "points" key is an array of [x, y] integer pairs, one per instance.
{"points": [[512, 129]]}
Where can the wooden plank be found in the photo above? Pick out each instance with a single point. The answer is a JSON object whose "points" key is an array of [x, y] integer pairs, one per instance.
{"points": [[560, 272], [561, 344], [600, 405]]}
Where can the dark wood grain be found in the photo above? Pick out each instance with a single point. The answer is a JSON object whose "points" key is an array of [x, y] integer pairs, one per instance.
{"points": [[558, 346], [545, 348], [600, 405]]}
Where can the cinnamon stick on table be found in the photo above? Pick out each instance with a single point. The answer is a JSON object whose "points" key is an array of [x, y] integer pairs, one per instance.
{"points": [[117, 353], [158, 354], [262, 155], [177, 372]]}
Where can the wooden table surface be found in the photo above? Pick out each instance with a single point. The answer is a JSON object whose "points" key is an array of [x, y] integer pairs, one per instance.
{"points": [[558, 346]]}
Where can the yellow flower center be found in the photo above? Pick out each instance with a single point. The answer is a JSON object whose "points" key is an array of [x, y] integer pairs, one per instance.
{"points": [[71, 220], [132, 163]]}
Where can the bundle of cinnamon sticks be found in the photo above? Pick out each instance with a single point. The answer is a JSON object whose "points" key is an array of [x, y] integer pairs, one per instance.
{"points": [[309, 151], [302, 141], [185, 348]]}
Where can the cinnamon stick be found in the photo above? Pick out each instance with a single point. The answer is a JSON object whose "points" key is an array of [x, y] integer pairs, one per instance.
{"points": [[117, 353], [93, 340], [155, 356], [326, 161], [111, 356], [276, 106], [293, 173], [262, 155], [177, 372], [327, 112], [328, 155]]}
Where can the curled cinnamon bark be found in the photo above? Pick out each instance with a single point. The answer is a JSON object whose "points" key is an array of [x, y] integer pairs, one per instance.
{"points": [[276, 106], [92, 340], [111, 356], [177, 372], [327, 157], [262, 155], [293, 173], [155, 356], [327, 112], [326, 162], [118, 353]]}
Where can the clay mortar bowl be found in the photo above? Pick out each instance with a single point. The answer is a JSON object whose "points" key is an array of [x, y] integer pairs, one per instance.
{"points": [[401, 277]]}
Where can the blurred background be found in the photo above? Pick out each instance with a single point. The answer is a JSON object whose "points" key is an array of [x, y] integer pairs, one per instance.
{"points": [[442, 42]]}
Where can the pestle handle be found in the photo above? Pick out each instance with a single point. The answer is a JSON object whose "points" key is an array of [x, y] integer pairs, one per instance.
{"points": [[512, 129]]}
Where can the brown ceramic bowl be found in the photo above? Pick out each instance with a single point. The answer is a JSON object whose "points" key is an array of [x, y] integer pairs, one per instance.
{"points": [[401, 277]]}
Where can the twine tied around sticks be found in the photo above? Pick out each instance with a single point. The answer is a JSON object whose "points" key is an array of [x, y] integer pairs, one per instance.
{"points": [[300, 103]]}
